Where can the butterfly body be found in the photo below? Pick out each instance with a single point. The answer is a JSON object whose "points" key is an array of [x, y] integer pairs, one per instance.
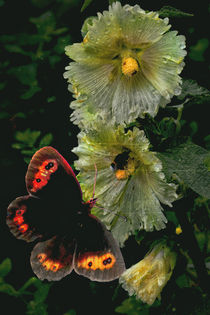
{"points": [[55, 213]]}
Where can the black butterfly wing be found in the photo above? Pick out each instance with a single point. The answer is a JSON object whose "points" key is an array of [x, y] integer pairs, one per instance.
{"points": [[20, 218], [54, 196], [97, 256], [53, 259], [50, 176]]}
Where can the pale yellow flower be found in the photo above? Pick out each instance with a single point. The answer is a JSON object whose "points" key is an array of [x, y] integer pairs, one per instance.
{"points": [[130, 182], [127, 65], [147, 278]]}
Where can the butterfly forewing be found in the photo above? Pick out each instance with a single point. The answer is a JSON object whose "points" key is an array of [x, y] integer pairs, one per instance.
{"points": [[53, 259], [50, 176], [98, 256]]}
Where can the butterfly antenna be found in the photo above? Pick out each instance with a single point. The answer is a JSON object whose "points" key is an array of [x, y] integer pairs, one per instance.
{"points": [[94, 185]]}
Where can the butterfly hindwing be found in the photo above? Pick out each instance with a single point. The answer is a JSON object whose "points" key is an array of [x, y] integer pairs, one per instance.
{"points": [[49, 175], [53, 259], [20, 215], [97, 256]]}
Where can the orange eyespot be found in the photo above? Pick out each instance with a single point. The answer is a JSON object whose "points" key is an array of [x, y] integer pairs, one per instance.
{"points": [[94, 261], [42, 257], [19, 212], [49, 264], [18, 220], [55, 267], [42, 177], [23, 228]]}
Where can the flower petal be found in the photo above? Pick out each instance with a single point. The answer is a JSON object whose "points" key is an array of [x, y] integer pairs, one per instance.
{"points": [[130, 202], [162, 62]]}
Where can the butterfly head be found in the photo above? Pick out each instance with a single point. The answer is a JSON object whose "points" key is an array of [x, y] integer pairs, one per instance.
{"points": [[91, 203]]}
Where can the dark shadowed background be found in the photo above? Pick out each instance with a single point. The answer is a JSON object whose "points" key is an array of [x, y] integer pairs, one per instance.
{"points": [[35, 112]]}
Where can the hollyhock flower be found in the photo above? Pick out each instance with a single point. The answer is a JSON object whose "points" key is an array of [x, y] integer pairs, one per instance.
{"points": [[128, 63], [147, 278], [129, 183]]}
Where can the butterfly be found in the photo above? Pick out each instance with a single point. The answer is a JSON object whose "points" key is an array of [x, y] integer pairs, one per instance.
{"points": [[54, 213]]}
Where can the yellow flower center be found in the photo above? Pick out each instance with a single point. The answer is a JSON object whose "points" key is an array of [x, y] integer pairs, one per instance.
{"points": [[129, 66], [122, 174], [123, 165], [178, 230]]}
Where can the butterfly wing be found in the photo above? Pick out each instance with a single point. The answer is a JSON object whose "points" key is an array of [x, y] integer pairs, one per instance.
{"points": [[97, 256], [20, 215], [53, 192], [53, 259], [50, 175]]}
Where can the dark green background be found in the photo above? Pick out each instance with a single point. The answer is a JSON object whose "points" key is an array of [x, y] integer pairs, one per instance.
{"points": [[48, 111]]}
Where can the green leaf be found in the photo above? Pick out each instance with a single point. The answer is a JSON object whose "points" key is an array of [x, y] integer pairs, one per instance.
{"points": [[27, 160], [31, 281], [45, 23], [4, 114], [131, 306], [46, 140], [207, 162], [171, 216], [18, 146], [182, 281], [51, 99], [15, 49], [54, 59], [188, 162], [86, 4], [61, 43], [25, 74], [36, 309], [8, 289], [28, 152], [5, 267], [191, 88], [2, 85], [28, 137], [29, 93], [197, 51], [168, 11], [20, 115], [201, 239], [41, 294]]}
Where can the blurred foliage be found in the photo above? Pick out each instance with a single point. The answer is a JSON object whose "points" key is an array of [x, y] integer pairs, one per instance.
{"points": [[34, 113], [197, 51], [29, 142], [36, 304]]}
